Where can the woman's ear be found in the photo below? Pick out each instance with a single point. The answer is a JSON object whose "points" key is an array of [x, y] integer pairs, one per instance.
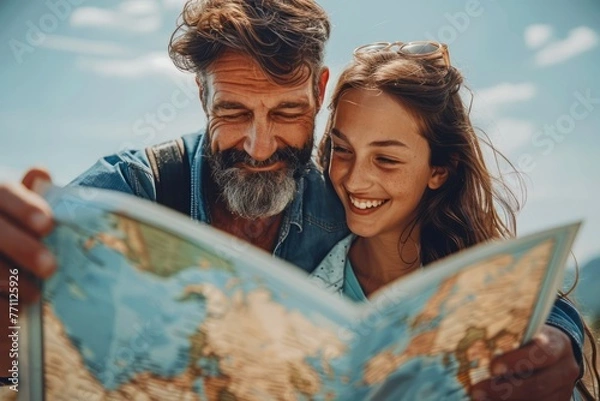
{"points": [[439, 175]]}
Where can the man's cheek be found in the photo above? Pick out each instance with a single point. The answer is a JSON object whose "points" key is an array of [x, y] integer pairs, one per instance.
{"points": [[302, 128], [307, 124], [222, 136]]}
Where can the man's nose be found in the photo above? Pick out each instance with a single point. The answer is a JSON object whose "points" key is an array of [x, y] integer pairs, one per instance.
{"points": [[260, 141]]}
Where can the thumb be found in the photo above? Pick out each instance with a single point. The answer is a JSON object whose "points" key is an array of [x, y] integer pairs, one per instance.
{"points": [[35, 174]]}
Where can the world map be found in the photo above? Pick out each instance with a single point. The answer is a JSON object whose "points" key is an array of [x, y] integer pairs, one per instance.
{"points": [[137, 311]]}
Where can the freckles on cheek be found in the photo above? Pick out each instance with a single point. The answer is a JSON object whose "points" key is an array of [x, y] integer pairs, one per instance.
{"points": [[400, 185], [338, 187], [337, 180]]}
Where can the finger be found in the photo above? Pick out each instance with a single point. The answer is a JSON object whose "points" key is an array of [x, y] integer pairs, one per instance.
{"points": [[35, 174], [497, 389], [546, 384], [25, 251], [546, 348], [25, 209]]}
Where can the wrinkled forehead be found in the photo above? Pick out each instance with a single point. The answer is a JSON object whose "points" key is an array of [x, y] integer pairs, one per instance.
{"points": [[238, 70], [234, 62]]}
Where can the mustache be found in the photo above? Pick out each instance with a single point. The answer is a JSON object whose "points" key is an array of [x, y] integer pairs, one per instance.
{"points": [[292, 156]]}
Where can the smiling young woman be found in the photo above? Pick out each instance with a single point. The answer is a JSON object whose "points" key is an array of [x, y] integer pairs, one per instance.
{"points": [[406, 163]]}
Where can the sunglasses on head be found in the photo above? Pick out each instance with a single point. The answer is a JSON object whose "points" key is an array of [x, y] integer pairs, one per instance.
{"points": [[421, 49]]}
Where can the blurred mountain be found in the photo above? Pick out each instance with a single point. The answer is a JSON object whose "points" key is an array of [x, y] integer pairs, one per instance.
{"points": [[587, 291]]}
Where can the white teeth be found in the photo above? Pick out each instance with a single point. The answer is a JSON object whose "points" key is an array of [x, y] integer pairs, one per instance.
{"points": [[366, 204]]}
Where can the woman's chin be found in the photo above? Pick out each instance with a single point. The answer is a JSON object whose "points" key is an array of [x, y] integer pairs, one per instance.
{"points": [[362, 230]]}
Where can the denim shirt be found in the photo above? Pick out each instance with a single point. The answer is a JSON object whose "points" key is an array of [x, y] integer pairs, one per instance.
{"points": [[311, 224], [330, 275]]}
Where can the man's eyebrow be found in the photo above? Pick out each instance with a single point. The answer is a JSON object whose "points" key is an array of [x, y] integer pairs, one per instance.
{"points": [[231, 105], [390, 142], [293, 105], [228, 105]]}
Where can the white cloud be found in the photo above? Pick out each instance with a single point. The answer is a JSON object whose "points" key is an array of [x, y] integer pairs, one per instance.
{"points": [[562, 190], [83, 46], [537, 35], [509, 134], [155, 63], [139, 7], [506, 134], [135, 16], [580, 40], [505, 93], [173, 4], [92, 16]]}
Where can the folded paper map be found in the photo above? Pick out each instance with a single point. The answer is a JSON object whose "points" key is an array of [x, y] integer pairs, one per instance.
{"points": [[150, 305]]}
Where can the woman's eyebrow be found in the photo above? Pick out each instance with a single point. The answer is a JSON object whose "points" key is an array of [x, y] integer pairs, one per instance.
{"points": [[336, 132], [390, 142]]}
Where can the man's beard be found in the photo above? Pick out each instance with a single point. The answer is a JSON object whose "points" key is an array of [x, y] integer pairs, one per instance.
{"points": [[253, 195]]}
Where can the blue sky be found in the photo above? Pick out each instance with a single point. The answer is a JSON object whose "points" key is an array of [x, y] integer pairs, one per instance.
{"points": [[82, 79]]}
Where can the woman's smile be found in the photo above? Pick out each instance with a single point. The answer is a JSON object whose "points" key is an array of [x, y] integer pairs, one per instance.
{"points": [[363, 205]]}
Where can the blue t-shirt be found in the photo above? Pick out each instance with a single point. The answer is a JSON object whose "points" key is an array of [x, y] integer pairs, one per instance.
{"points": [[351, 287]]}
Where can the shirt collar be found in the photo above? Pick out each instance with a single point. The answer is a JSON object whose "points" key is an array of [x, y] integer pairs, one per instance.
{"points": [[199, 166], [295, 209], [331, 271]]}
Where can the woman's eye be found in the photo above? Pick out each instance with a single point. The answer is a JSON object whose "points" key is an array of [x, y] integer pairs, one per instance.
{"points": [[339, 149], [385, 160]]}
